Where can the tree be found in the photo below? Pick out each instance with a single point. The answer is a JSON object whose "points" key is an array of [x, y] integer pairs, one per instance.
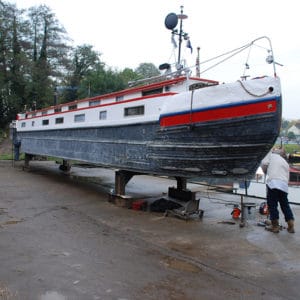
{"points": [[12, 62], [101, 81], [4, 50], [146, 70], [50, 54], [291, 135], [36, 63], [90, 76], [85, 61], [128, 75]]}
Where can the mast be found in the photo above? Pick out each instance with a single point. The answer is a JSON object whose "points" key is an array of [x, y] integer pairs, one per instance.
{"points": [[171, 22], [181, 17]]}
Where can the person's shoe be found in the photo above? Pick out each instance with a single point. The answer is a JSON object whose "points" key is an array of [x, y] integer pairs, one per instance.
{"points": [[274, 227], [290, 227]]}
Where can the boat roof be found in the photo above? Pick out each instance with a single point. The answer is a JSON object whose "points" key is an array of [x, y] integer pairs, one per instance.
{"points": [[143, 87]]}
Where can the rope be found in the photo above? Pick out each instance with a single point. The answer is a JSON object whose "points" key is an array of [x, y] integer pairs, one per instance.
{"points": [[252, 94], [232, 52], [236, 51]]}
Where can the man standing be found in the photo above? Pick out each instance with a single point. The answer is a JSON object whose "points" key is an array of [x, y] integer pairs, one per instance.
{"points": [[277, 170]]}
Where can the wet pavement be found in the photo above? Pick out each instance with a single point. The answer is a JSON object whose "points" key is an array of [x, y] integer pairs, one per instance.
{"points": [[61, 239]]}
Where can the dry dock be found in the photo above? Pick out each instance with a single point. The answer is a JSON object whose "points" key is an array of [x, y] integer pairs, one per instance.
{"points": [[61, 239]]}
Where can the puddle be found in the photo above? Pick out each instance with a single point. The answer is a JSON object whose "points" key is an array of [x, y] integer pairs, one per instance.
{"points": [[181, 265], [52, 295]]}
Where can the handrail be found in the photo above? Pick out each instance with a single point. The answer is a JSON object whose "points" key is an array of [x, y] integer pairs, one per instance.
{"points": [[168, 75]]}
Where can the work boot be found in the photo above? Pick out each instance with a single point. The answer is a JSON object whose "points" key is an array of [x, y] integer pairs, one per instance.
{"points": [[291, 228], [274, 227]]}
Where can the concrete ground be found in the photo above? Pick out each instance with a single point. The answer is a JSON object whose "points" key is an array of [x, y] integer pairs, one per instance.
{"points": [[61, 239]]}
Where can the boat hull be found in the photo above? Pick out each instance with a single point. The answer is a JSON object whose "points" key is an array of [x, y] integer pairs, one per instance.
{"points": [[226, 148]]}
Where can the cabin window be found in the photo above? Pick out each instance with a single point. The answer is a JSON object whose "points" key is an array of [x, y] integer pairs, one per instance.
{"points": [[72, 107], [23, 124], [120, 98], [57, 109], [134, 111], [103, 115], [32, 123], [59, 120], [45, 122], [94, 102], [152, 92], [79, 118], [44, 112]]}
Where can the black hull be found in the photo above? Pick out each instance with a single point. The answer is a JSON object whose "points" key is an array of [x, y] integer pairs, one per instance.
{"points": [[230, 148]]}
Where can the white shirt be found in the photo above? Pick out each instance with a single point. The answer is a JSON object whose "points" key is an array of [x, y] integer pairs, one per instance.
{"points": [[278, 172]]}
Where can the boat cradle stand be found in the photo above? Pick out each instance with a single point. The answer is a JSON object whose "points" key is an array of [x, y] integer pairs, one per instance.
{"points": [[118, 196], [65, 166], [181, 195], [187, 199]]}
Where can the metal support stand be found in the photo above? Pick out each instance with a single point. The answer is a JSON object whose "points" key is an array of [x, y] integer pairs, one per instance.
{"points": [[118, 196], [246, 211], [181, 183], [181, 192], [28, 158], [121, 179], [65, 166], [242, 224], [181, 195], [187, 200]]}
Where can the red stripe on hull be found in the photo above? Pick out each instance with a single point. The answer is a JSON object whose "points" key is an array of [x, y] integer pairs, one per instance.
{"points": [[220, 113]]}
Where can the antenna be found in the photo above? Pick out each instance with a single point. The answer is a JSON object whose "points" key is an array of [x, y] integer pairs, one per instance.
{"points": [[171, 22]]}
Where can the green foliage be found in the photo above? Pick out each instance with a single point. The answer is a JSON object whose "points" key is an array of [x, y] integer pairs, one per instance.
{"points": [[9, 156], [90, 76], [85, 62], [38, 67], [128, 75], [291, 148], [102, 81], [291, 135], [49, 55], [146, 70], [33, 56]]}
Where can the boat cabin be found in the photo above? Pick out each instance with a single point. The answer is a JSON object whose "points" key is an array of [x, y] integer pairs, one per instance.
{"points": [[144, 89]]}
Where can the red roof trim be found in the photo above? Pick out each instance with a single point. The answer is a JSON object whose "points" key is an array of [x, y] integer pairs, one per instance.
{"points": [[128, 91]]}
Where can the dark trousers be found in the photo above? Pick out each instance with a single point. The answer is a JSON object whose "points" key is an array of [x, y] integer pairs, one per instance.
{"points": [[275, 196]]}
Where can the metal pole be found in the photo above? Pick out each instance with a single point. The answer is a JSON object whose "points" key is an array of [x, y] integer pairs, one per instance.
{"points": [[180, 36], [242, 224], [198, 62]]}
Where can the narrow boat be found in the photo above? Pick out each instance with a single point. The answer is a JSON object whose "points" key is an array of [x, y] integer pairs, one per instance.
{"points": [[176, 124]]}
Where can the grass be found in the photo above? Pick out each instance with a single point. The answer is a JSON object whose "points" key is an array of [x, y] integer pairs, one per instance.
{"points": [[291, 148], [10, 156], [6, 156]]}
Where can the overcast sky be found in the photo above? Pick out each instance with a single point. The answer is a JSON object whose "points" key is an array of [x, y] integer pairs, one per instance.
{"points": [[131, 32]]}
